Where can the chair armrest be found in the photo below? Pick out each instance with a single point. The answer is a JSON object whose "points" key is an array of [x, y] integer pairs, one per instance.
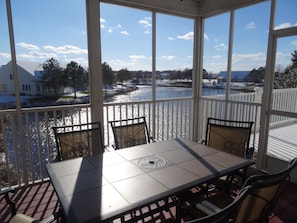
{"points": [[202, 141], [5, 192], [249, 153], [109, 148], [153, 139], [51, 218]]}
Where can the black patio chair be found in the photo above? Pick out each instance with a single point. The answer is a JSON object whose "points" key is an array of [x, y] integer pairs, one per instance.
{"points": [[78, 140], [232, 137], [263, 193], [130, 132], [221, 215], [21, 218]]}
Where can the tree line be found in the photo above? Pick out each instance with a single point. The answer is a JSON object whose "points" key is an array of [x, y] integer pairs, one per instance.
{"points": [[75, 76], [286, 78]]}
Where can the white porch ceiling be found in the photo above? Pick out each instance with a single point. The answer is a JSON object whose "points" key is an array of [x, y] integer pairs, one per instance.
{"points": [[187, 8]]}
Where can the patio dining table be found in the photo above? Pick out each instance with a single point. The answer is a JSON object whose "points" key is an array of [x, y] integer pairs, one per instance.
{"points": [[100, 187]]}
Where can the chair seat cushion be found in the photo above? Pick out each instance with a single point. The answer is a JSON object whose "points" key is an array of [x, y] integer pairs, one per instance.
{"points": [[21, 218]]}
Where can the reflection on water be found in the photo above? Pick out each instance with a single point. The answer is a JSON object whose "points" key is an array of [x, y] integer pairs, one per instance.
{"points": [[145, 93]]}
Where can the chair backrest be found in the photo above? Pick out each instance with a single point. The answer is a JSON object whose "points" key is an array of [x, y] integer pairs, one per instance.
{"points": [[226, 214], [266, 189], [130, 132], [78, 140], [228, 135]]}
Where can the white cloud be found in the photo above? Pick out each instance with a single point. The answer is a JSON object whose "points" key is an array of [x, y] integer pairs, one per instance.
{"points": [[37, 55], [111, 29], [221, 46], [125, 33], [130, 65], [102, 21], [66, 49], [216, 57], [28, 46], [170, 38], [187, 36], [80, 60], [294, 43], [248, 61], [136, 57], [4, 55], [148, 31], [168, 57], [146, 22], [206, 36], [251, 25], [283, 25], [239, 62]]}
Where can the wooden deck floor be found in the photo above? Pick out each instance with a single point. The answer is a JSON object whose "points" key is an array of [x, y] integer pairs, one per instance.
{"points": [[40, 201]]}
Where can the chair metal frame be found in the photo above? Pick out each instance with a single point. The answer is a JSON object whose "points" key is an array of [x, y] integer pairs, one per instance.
{"points": [[77, 140], [263, 186], [138, 135], [227, 213], [262, 193], [17, 218]]}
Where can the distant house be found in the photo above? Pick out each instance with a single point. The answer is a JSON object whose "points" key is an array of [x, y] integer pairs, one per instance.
{"points": [[236, 76], [28, 82]]}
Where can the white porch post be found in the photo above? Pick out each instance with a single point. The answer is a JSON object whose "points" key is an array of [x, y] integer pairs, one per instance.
{"points": [[229, 66], [94, 57], [267, 94], [95, 71], [197, 78], [154, 74], [17, 94]]}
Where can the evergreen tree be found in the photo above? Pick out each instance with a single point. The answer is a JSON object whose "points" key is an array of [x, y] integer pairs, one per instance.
{"points": [[52, 75], [108, 75], [76, 76]]}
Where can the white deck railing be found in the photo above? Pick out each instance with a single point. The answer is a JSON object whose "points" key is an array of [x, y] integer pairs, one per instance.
{"points": [[25, 150]]}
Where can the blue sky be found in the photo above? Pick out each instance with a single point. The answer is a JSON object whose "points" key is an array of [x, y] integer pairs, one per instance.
{"points": [[57, 29]]}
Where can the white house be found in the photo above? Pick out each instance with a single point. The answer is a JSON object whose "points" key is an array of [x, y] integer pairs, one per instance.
{"points": [[28, 80]]}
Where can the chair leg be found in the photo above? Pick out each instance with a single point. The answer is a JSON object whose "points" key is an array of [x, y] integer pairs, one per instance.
{"points": [[10, 202]]}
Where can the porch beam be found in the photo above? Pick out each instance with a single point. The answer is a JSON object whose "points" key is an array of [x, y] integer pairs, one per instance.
{"points": [[209, 8], [187, 8]]}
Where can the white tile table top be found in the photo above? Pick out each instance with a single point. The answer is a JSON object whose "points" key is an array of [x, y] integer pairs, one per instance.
{"points": [[123, 182]]}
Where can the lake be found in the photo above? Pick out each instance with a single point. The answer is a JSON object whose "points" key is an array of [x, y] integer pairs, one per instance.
{"points": [[145, 93]]}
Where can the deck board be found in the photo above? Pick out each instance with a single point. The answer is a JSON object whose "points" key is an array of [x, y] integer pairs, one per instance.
{"points": [[282, 142]]}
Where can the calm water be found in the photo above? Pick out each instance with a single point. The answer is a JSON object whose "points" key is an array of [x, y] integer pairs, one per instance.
{"points": [[145, 93]]}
